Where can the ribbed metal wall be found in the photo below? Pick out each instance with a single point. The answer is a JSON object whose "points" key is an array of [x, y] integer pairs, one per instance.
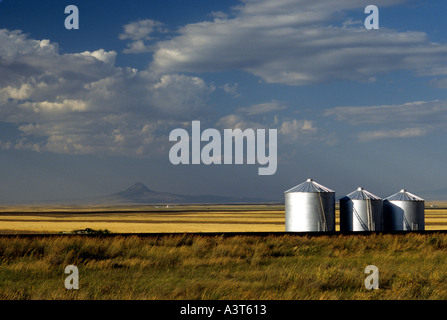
{"points": [[361, 210], [309, 207], [403, 211]]}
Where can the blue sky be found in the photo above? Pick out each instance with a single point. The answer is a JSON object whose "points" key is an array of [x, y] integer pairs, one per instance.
{"points": [[88, 112]]}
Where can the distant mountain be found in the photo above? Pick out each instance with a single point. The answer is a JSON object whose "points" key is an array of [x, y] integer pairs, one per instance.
{"points": [[138, 192], [141, 194]]}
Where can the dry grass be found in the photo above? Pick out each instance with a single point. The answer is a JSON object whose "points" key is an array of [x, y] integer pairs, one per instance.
{"points": [[411, 266], [186, 266], [151, 219]]}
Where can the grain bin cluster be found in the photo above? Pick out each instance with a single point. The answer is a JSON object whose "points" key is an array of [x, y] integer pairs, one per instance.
{"points": [[310, 207]]}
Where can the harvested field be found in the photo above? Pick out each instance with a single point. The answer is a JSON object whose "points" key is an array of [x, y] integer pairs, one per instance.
{"points": [[155, 219]]}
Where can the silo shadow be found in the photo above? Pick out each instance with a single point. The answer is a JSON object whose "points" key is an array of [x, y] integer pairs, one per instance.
{"points": [[393, 217]]}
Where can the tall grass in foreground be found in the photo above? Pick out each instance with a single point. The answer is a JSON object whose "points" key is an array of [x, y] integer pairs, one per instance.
{"points": [[411, 266]]}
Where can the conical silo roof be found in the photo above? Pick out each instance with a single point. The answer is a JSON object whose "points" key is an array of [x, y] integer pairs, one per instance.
{"points": [[360, 194], [404, 195], [309, 186]]}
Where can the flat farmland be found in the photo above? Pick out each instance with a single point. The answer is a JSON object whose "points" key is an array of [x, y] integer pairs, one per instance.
{"points": [[177, 262], [165, 219], [143, 219]]}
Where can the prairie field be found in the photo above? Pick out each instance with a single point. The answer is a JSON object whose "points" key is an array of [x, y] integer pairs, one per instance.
{"points": [[210, 253], [212, 267], [162, 219], [143, 219]]}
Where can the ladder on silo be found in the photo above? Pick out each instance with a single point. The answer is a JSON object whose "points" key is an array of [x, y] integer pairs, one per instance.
{"points": [[407, 225], [362, 223], [369, 213], [323, 222]]}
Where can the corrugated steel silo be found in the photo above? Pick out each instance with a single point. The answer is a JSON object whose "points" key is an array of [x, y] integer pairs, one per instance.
{"points": [[309, 206], [361, 210], [403, 211]]}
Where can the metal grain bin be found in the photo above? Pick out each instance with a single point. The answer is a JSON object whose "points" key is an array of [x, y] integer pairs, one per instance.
{"points": [[309, 207], [361, 210], [403, 211]]}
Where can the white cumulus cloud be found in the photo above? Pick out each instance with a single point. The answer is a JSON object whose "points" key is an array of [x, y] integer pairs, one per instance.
{"points": [[82, 103], [406, 120], [139, 32], [299, 42]]}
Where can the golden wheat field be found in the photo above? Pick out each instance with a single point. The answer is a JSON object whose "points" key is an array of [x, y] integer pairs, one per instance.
{"points": [[165, 219], [177, 261]]}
